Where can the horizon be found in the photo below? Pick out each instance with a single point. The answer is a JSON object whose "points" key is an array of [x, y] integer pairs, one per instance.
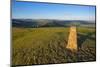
{"points": [[50, 19], [35, 10]]}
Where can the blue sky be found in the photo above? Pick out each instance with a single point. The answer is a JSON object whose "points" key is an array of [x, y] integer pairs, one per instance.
{"points": [[31, 10]]}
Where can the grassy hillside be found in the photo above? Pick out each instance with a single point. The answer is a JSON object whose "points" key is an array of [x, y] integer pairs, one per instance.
{"points": [[39, 45], [48, 45], [86, 44]]}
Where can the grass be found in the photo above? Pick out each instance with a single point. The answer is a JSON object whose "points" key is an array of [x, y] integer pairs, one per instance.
{"points": [[86, 36], [47, 45], [29, 43], [87, 44]]}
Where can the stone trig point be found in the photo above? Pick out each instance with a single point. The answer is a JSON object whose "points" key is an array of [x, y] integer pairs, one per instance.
{"points": [[72, 39]]}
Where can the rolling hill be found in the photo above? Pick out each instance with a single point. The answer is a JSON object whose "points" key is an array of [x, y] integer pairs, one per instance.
{"points": [[34, 23]]}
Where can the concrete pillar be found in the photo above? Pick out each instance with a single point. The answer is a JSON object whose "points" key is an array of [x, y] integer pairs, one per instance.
{"points": [[72, 39]]}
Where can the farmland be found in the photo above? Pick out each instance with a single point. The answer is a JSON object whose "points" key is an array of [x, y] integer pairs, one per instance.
{"points": [[47, 45]]}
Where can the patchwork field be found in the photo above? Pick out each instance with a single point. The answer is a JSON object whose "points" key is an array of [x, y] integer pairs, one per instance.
{"points": [[48, 45]]}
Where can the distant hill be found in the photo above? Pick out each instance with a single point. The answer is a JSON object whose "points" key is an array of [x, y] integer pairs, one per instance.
{"points": [[34, 23]]}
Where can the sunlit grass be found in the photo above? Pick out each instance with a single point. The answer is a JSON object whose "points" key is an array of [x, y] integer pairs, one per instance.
{"points": [[48, 45]]}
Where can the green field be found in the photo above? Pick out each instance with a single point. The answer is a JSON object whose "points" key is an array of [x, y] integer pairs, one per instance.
{"points": [[47, 45]]}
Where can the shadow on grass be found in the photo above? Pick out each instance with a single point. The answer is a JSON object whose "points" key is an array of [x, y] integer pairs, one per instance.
{"points": [[82, 37]]}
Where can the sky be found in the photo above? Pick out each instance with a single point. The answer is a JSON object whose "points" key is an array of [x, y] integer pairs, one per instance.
{"points": [[35, 10]]}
